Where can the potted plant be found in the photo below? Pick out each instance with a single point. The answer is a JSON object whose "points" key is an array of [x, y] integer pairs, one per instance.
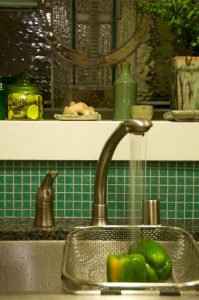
{"points": [[183, 18]]}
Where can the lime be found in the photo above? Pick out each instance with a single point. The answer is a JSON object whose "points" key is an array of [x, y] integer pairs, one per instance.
{"points": [[33, 112], [10, 114]]}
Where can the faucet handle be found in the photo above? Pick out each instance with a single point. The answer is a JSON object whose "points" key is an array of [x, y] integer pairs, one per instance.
{"points": [[45, 191], [44, 215]]}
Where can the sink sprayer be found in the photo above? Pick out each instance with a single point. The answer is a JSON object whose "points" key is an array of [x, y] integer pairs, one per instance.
{"points": [[135, 126]]}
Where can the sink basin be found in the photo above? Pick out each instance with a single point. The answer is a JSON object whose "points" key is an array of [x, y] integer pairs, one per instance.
{"points": [[31, 267]]}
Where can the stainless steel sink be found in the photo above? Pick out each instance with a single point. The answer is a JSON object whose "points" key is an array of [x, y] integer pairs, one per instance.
{"points": [[31, 267]]}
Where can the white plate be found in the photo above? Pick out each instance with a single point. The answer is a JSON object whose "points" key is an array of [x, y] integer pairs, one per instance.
{"points": [[77, 118]]}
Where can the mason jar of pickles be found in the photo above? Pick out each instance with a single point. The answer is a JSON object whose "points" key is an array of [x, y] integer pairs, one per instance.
{"points": [[25, 100]]}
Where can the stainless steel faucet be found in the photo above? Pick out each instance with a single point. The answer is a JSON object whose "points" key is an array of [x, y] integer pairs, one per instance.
{"points": [[44, 216], [135, 126]]}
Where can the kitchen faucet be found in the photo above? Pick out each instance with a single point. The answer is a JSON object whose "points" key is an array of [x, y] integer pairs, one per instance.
{"points": [[135, 126]]}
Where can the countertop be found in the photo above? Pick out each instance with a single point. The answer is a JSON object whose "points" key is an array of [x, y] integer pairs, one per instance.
{"points": [[23, 228]]}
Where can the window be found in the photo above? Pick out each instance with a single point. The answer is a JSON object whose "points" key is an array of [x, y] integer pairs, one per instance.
{"points": [[23, 48]]}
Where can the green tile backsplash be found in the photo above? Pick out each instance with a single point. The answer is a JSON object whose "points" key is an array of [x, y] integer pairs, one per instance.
{"points": [[176, 184]]}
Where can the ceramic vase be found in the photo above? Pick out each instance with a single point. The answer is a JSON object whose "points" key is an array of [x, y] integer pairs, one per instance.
{"points": [[124, 93], [184, 83]]}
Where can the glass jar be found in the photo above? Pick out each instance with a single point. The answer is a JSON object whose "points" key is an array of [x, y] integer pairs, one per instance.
{"points": [[25, 100], [4, 81]]}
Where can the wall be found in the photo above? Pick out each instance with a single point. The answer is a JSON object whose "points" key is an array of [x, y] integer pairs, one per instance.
{"points": [[176, 184]]}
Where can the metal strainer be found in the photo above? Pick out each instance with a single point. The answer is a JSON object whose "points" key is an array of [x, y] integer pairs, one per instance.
{"points": [[86, 251]]}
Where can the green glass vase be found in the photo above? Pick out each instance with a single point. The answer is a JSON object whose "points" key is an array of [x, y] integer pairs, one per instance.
{"points": [[124, 94]]}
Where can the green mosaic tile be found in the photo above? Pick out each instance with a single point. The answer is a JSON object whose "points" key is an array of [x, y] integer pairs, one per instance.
{"points": [[85, 205], [59, 188], [171, 206], [154, 181], [86, 197], [2, 205], [77, 196], [2, 179], [163, 214], [188, 214], [69, 196], [196, 214], [26, 213], [165, 180], [154, 189], [9, 179], [189, 180], [180, 198], [17, 188], [9, 189], [69, 180], [61, 214], [9, 213], [171, 214], [60, 196], [60, 205], [189, 173], [111, 197], [1, 164], [163, 205], [171, 189], [172, 180], [180, 189], [180, 214], [196, 181], [77, 205], [27, 180], [180, 206], [78, 213], [111, 188], [86, 188], [196, 189], [18, 213], [60, 179], [86, 180], [26, 205], [85, 214], [8, 196], [189, 189], [189, 197], [196, 206], [171, 198], [17, 197]]}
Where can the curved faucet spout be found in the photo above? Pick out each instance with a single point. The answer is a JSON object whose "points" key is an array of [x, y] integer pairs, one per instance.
{"points": [[135, 126]]}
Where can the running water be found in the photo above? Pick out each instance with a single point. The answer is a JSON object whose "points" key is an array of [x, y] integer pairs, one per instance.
{"points": [[138, 168]]}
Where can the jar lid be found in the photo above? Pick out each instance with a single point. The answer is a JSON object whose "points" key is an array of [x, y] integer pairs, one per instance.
{"points": [[24, 84]]}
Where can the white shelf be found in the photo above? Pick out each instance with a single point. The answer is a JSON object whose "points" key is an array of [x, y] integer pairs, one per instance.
{"points": [[83, 140]]}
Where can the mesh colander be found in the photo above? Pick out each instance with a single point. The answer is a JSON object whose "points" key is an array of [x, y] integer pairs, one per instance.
{"points": [[86, 251]]}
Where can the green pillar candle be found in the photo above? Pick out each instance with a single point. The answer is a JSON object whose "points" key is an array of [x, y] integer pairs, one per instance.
{"points": [[124, 93]]}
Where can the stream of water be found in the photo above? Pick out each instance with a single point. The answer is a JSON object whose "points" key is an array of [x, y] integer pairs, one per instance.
{"points": [[138, 171]]}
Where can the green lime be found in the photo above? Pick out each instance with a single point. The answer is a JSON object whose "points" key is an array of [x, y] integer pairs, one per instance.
{"points": [[33, 112]]}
